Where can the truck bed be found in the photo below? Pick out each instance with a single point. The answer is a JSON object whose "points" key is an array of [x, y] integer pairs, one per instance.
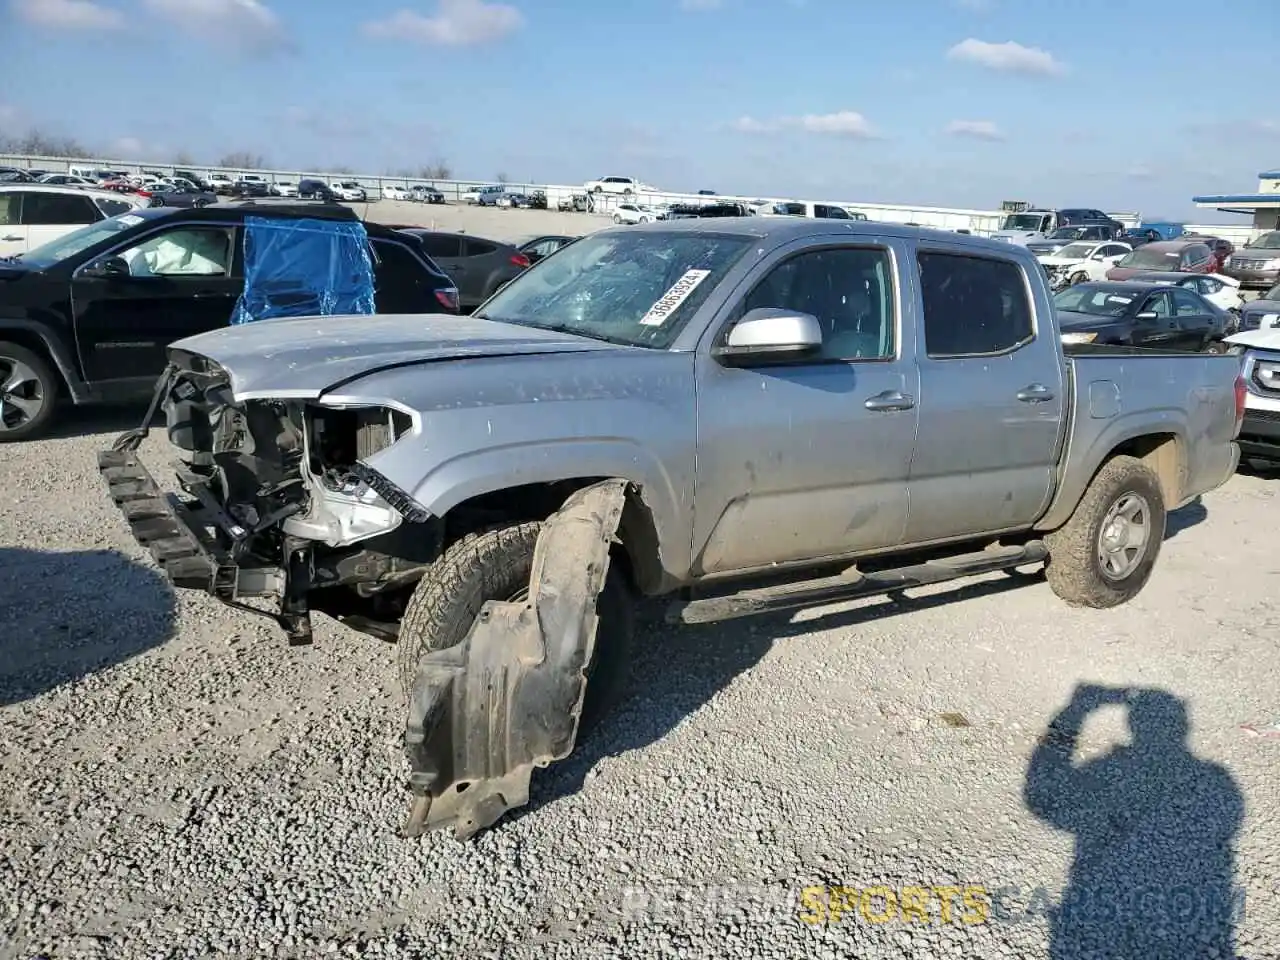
{"points": [[1123, 393]]}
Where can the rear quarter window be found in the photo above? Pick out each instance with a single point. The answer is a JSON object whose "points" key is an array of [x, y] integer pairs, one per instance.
{"points": [[478, 248]]}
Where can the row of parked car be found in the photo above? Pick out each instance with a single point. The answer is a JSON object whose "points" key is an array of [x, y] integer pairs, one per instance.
{"points": [[88, 304]]}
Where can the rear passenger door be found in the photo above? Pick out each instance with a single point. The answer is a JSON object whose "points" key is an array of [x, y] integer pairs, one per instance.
{"points": [[809, 459], [1195, 323], [402, 282], [991, 397], [48, 216]]}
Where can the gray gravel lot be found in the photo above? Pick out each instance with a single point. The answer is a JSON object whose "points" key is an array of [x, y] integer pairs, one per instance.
{"points": [[178, 782]]}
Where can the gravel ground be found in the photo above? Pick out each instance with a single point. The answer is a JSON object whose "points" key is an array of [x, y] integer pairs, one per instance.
{"points": [[494, 222], [177, 782]]}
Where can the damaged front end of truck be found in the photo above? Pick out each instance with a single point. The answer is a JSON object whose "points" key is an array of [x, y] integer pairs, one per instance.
{"points": [[283, 511]]}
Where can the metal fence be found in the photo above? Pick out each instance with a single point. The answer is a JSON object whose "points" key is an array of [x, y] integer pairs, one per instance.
{"points": [[978, 222]]}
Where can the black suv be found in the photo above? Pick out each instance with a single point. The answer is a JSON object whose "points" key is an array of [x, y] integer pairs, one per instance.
{"points": [[81, 320], [317, 190]]}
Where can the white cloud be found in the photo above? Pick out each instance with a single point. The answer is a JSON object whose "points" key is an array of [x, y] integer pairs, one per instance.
{"points": [[1007, 57], [457, 23], [843, 123], [975, 129], [67, 14], [242, 23]]}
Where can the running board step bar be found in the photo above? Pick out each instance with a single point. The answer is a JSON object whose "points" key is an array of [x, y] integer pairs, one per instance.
{"points": [[841, 588]]}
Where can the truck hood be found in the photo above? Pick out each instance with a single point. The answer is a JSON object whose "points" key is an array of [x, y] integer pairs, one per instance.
{"points": [[1053, 260], [302, 358], [1017, 236], [1258, 339]]}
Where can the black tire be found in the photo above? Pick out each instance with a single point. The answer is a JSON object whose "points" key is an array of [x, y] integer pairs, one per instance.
{"points": [[495, 564], [43, 387], [1215, 347], [1075, 569], [1075, 278]]}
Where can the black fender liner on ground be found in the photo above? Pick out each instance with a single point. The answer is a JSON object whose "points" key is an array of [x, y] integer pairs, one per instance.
{"points": [[508, 698]]}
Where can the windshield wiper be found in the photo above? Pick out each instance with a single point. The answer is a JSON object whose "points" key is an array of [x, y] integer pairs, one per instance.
{"points": [[573, 331]]}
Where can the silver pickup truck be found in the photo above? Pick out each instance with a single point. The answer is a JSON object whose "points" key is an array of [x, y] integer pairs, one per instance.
{"points": [[747, 415]]}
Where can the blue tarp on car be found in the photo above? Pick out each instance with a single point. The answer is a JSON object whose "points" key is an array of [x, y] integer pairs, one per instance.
{"points": [[303, 268]]}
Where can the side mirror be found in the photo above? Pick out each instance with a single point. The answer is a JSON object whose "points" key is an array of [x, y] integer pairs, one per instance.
{"points": [[1148, 315], [768, 333], [108, 267]]}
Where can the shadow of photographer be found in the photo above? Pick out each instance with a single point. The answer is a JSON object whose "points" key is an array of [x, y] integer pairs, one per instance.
{"points": [[1153, 870]]}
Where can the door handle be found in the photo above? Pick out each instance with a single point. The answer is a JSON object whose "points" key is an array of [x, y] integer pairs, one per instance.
{"points": [[890, 400], [11, 239], [1035, 393]]}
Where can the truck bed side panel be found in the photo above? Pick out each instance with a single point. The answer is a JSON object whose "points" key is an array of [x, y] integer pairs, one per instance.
{"points": [[1128, 395]]}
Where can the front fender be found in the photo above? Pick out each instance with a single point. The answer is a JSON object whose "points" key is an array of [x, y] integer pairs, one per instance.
{"points": [[61, 356]]}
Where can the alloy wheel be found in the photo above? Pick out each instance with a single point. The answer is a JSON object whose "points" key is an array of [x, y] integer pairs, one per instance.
{"points": [[22, 394]]}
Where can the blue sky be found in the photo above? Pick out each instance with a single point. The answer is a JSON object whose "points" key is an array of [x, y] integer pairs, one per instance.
{"points": [[1125, 106]]}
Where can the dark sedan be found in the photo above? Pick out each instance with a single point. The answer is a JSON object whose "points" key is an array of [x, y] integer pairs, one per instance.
{"points": [[1135, 314], [1166, 256], [163, 195], [1262, 313], [478, 266]]}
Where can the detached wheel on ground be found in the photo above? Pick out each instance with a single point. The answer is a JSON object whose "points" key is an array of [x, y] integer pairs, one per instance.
{"points": [[1103, 555], [495, 564], [28, 393]]}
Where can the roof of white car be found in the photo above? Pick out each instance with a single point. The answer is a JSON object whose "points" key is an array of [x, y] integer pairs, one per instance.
{"points": [[61, 188]]}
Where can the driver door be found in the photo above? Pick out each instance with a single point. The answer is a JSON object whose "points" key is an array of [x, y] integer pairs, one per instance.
{"points": [[131, 303], [1158, 331], [809, 460]]}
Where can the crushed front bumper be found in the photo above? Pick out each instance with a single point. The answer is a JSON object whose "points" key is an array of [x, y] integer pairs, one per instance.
{"points": [[178, 535]]}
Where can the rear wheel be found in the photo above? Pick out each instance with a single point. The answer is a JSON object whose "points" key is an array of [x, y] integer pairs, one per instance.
{"points": [[1103, 555], [1215, 346], [28, 392], [495, 564], [1079, 278]]}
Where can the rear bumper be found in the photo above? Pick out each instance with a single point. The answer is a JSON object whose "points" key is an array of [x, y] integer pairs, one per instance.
{"points": [[177, 534]]}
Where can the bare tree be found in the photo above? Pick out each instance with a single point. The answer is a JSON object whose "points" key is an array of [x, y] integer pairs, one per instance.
{"points": [[344, 170], [183, 159], [503, 178], [242, 160], [439, 170], [36, 143]]}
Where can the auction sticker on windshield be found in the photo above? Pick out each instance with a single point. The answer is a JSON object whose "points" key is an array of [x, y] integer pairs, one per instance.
{"points": [[670, 301], [129, 219], [1119, 299]]}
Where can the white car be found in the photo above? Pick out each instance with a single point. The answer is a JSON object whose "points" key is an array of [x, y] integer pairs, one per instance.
{"points": [[1082, 261], [635, 213], [1259, 352], [285, 188], [627, 186], [485, 196], [1219, 289], [221, 183], [392, 192], [33, 214], [348, 190]]}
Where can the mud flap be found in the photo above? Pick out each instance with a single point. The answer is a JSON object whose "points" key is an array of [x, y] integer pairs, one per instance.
{"points": [[508, 698]]}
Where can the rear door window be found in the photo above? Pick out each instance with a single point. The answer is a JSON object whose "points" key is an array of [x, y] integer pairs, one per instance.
{"points": [[478, 248], [10, 208], [973, 306], [442, 245], [1185, 304], [58, 209]]}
